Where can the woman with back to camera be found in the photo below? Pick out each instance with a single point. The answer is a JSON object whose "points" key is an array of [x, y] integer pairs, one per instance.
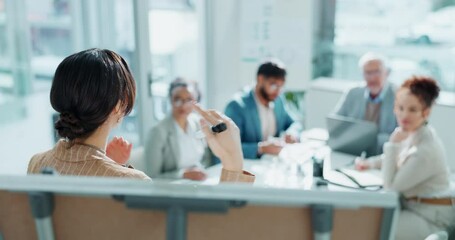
{"points": [[93, 90], [414, 163]]}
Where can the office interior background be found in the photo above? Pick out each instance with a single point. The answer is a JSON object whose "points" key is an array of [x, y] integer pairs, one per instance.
{"points": [[219, 44]]}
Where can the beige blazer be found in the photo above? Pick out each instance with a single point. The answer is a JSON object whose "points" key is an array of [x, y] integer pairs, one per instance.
{"points": [[81, 160], [86, 160], [416, 167]]}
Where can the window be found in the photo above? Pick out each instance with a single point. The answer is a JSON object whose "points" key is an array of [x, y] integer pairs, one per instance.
{"points": [[175, 47], [3, 44], [51, 37], [417, 40], [53, 30], [6, 79]]}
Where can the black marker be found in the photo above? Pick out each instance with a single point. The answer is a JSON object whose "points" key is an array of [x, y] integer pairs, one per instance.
{"points": [[220, 127]]}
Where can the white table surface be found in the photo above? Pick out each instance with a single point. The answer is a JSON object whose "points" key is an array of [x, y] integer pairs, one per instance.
{"points": [[293, 168]]}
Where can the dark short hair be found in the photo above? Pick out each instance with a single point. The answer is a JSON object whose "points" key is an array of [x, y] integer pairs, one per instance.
{"points": [[181, 82], [86, 88], [272, 68], [426, 89]]}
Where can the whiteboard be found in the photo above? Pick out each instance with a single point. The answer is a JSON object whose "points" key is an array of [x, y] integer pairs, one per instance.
{"points": [[277, 29]]}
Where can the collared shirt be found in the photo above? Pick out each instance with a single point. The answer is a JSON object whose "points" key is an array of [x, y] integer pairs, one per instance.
{"points": [[379, 98], [372, 112], [267, 118], [373, 107], [191, 149], [81, 160]]}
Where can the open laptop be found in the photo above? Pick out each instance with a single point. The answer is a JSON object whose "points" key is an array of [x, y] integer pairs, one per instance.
{"points": [[350, 135]]}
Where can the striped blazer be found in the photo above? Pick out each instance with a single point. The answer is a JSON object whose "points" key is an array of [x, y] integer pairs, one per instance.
{"points": [[81, 160], [86, 160]]}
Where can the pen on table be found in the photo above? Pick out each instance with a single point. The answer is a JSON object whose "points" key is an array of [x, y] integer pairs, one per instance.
{"points": [[362, 157]]}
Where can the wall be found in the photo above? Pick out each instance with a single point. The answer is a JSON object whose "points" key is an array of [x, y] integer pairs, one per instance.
{"points": [[228, 70]]}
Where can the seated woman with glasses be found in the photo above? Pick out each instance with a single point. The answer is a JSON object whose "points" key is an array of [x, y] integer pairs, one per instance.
{"points": [[172, 149]]}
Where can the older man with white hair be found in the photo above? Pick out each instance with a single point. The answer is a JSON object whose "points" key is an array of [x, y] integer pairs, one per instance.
{"points": [[373, 101]]}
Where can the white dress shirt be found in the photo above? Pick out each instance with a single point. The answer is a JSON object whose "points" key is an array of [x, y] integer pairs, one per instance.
{"points": [[191, 148], [267, 118]]}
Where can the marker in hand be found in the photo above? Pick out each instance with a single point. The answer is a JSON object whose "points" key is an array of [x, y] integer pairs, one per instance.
{"points": [[217, 128], [220, 127]]}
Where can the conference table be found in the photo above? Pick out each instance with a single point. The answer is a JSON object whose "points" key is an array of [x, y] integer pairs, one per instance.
{"points": [[293, 168]]}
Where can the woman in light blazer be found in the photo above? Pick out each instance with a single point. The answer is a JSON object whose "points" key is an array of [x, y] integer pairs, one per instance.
{"points": [[172, 148], [414, 163]]}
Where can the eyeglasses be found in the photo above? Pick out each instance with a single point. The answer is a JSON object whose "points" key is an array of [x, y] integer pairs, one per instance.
{"points": [[373, 73], [180, 102], [275, 87]]}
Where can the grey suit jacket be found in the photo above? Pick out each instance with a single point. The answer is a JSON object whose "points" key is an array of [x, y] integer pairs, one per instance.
{"points": [[353, 104], [162, 151]]}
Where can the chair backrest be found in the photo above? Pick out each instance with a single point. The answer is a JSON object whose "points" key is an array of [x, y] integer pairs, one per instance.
{"points": [[79, 217]]}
